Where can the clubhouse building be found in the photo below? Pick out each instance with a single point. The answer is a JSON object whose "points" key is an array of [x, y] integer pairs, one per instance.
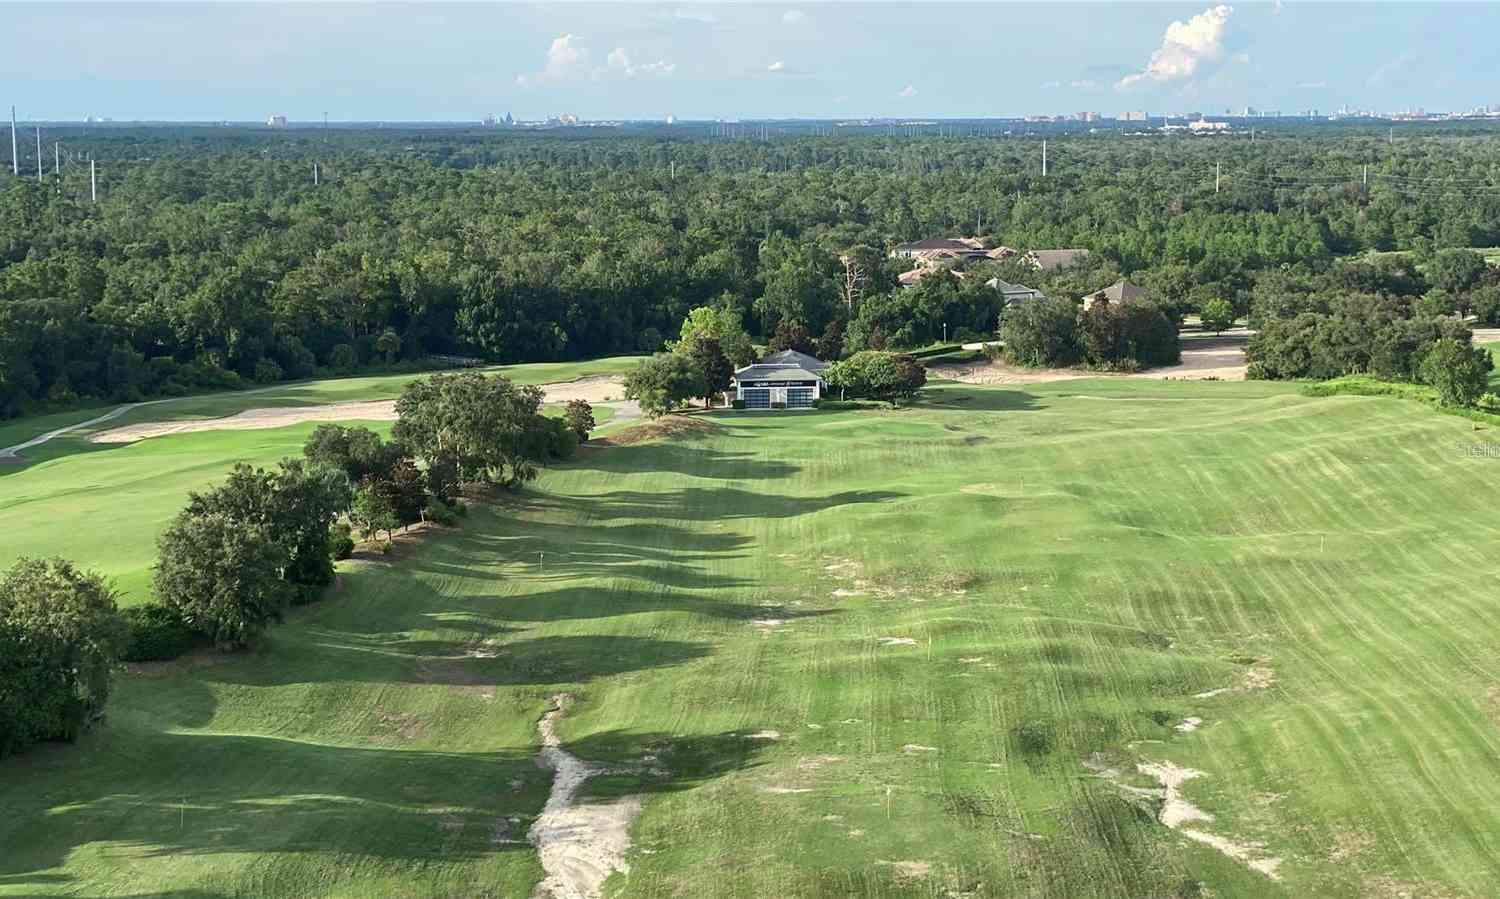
{"points": [[784, 380]]}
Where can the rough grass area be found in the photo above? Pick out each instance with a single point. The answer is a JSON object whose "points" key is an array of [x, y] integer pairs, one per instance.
{"points": [[892, 653]]}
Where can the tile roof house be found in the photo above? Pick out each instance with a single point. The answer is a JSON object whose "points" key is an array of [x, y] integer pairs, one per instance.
{"points": [[1115, 293], [920, 248]]}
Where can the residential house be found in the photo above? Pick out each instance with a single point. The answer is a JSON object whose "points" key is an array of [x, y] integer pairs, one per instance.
{"points": [[1115, 293], [1014, 293]]}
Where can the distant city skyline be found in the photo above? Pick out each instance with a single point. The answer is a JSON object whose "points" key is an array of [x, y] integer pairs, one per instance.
{"points": [[702, 61]]}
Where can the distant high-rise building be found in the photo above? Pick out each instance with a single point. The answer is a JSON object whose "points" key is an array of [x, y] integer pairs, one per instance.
{"points": [[509, 120], [1133, 117], [671, 120], [276, 121]]}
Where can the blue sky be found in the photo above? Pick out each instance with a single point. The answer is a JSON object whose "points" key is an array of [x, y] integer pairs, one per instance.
{"points": [[440, 61]]}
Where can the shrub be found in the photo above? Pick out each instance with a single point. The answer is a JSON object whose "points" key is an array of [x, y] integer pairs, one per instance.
{"points": [[340, 541], [222, 576], [267, 372], [60, 636], [777, 404], [342, 357], [737, 403], [157, 633], [441, 512], [1132, 333]]}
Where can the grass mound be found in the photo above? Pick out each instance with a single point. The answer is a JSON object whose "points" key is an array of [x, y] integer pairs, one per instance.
{"points": [[680, 427]]}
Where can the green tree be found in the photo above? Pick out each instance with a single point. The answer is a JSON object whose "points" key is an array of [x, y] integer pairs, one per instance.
{"points": [[372, 511], [580, 417], [222, 577], [389, 345], [1456, 271], [877, 374], [714, 370], [722, 324], [663, 382], [486, 426], [1217, 315], [60, 635], [1460, 372], [1041, 332]]}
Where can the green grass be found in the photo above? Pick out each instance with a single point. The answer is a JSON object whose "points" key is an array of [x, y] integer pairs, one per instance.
{"points": [[1071, 564]]}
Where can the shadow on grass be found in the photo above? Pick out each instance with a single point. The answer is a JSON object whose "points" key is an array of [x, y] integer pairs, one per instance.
{"points": [[965, 398], [709, 504], [690, 761], [462, 663], [160, 795], [60, 448], [699, 462]]}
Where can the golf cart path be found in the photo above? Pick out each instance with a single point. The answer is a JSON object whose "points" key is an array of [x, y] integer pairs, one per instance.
{"points": [[596, 389]]}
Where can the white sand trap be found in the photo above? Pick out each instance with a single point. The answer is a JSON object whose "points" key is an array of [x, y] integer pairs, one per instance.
{"points": [[915, 747], [1177, 811], [580, 843], [594, 390], [1202, 359], [897, 641]]}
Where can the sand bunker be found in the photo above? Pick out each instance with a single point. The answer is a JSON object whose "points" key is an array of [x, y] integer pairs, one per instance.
{"points": [[1177, 811], [580, 843], [1202, 359], [595, 390]]}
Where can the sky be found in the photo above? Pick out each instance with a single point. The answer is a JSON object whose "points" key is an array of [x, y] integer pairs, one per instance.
{"points": [[429, 61]]}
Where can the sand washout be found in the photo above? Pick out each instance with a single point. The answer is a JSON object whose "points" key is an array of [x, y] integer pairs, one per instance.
{"points": [[580, 842], [596, 389], [1203, 358]]}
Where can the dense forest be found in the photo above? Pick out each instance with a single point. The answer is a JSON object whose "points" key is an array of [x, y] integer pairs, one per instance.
{"points": [[212, 258]]}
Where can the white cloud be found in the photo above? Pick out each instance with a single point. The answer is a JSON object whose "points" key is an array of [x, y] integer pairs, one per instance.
{"points": [[1313, 85], [793, 17], [1185, 48], [777, 66], [1389, 70], [1275, 7], [1084, 84], [566, 58], [569, 59], [693, 15], [907, 91], [1051, 85]]}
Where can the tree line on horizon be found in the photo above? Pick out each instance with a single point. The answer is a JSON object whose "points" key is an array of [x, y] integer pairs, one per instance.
{"points": [[211, 261]]}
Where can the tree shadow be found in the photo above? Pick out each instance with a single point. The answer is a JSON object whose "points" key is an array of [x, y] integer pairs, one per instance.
{"points": [[202, 794], [465, 663], [699, 462], [713, 504], [966, 398], [678, 762]]}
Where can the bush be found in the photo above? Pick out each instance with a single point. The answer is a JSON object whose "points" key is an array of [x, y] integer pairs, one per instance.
{"points": [[1128, 335], [737, 403], [267, 372], [340, 541], [580, 417], [877, 374], [777, 404], [60, 636], [157, 633], [222, 576], [342, 357], [441, 512]]}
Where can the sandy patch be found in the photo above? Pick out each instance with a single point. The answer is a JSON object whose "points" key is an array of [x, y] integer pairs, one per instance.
{"points": [[910, 748], [1220, 359], [595, 389], [1176, 812], [1189, 725], [909, 870], [772, 735], [897, 641], [580, 843], [785, 791], [684, 427]]}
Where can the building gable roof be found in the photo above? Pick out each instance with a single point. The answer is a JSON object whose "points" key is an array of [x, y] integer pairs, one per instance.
{"points": [[775, 373], [1121, 290], [792, 357], [933, 243]]}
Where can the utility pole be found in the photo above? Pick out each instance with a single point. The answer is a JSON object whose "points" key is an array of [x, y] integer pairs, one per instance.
{"points": [[1218, 173], [315, 174], [1044, 157], [57, 159], [39, 154], [1365, 178], [15, 156], [93, 183]]}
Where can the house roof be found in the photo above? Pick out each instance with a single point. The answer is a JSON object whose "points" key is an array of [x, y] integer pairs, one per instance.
{"points": [[933, 243], [775, 373], [1121, 290], [1008, 288], [1047, 260], [794, 358]]}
